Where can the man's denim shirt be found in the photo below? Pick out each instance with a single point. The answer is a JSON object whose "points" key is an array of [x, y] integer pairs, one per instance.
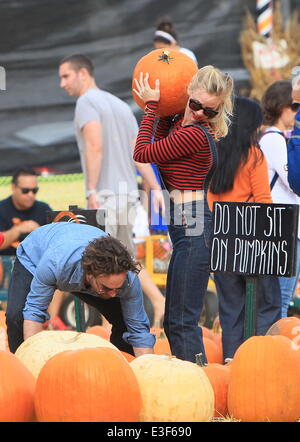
{"points": [[52, 253]]}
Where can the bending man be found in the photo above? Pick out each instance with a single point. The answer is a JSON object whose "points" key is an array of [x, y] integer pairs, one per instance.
{"points": [[86, 261]]}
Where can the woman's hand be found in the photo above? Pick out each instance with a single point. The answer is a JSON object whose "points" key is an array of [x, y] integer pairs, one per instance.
{"points": [[144, 91]]}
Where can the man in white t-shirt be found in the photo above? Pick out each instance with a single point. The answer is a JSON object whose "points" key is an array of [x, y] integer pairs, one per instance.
{"points": [[106, 129]]}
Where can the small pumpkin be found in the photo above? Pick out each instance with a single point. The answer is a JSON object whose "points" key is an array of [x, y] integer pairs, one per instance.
{"points": [[140, 250], [174, 70], [217, 338], [212, 351], [99, 330], [219, 378], [206, 332], [161, 345], [264, 380], [17, 388], [129, 357], [173, 390], [87, 385], [289, 327], [37, 349]]}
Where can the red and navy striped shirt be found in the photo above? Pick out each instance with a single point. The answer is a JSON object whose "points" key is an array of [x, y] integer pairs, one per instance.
{"points": [[182, 153]]}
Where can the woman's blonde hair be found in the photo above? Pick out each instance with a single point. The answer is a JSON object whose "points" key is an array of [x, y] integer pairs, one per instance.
{"points": [[215, 82]]}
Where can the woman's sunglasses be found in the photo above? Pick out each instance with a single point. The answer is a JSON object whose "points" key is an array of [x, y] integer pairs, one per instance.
{"points": [[196, 106], [295, 106]]}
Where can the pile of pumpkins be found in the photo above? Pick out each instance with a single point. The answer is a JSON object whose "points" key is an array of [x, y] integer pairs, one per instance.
{"points": [[66, 376]]}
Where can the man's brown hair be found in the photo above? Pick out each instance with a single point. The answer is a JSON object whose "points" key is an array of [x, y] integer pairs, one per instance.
{"points": [[79, 61], [107, 256]]}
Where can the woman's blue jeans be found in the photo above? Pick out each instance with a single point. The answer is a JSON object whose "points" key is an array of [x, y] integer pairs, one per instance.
{"points": [[187, 279]]}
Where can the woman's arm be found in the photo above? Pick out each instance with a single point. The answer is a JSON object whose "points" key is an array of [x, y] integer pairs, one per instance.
{"points": [[175, 145], [185, 142], [274, 147]]}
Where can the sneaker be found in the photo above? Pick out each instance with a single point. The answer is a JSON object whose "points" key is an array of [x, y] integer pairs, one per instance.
{"points": [[56, 323]]}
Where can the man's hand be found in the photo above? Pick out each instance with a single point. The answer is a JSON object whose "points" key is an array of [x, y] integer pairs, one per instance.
{"points": [[93, 153], [30, 328], [27, 226], [13, 234], [92, 201]]}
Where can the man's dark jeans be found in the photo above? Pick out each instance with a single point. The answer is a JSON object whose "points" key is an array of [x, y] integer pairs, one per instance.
{"points": [[18, 290], [231, 289]]}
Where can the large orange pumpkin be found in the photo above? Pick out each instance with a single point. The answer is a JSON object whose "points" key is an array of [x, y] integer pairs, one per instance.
{"points": [[264, 381], [289, 327], [87, 385], [17, 387], [174, 70]]}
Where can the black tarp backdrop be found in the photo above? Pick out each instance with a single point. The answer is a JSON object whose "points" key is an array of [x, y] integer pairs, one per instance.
{"points": [[36, 115]]}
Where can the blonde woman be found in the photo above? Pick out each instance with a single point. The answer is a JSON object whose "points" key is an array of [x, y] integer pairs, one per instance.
{"points": [[185, 154]]}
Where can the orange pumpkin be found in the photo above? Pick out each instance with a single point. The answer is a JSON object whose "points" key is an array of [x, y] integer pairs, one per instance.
{"points": [[219, 378], [289, 327], [87, 385], [161, 345], [206, 332], [140, 250], [217, 338], [99, 330], [174, 70], [16, 390], [3, 331], [264, 381], [212, 351], [128, 356]]}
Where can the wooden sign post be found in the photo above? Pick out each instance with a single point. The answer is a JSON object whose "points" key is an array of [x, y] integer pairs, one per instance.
{"points": [[254, 239], [74, 214]]}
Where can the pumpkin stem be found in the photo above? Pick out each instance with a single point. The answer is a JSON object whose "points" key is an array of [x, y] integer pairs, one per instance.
{"points": [[200, 360], [165, 57]]}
